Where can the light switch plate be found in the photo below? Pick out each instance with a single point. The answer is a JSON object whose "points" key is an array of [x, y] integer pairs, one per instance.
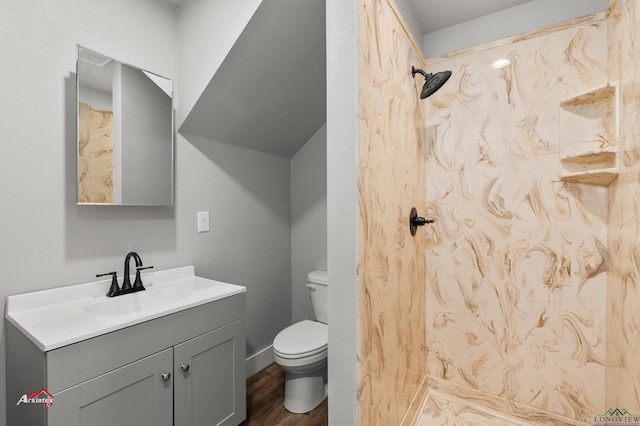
{"points": [[203, 221]]}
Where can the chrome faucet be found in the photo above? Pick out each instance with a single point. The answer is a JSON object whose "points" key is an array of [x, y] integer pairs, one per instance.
{"points": [[126, 288]]}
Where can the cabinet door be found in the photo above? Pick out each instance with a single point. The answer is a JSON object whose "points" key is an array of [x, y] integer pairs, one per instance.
{"points": [[136, 394], [210, 371]]}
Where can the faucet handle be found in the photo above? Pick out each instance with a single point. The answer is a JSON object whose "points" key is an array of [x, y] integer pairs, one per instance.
{"points": [[114, 288], [138, 281]]}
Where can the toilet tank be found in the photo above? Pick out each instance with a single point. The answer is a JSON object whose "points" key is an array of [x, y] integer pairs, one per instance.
{"points": [[317, 283]]}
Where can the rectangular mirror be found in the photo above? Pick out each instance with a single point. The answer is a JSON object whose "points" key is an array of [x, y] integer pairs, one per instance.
{"points": [[125, 133]]}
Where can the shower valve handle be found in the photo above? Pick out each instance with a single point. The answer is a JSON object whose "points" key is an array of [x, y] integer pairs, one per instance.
{"points": [[415, 221], [421, 221]]}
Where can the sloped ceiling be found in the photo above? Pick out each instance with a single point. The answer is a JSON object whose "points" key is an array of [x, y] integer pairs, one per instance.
{"points": [[269, 94]]}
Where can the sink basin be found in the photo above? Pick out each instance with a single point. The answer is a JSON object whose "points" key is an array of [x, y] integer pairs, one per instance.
{"points": [[62, 316], [152, 298]]}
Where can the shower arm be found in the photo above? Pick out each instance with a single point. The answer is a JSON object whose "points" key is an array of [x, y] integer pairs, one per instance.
{"points": [[415, 70]]}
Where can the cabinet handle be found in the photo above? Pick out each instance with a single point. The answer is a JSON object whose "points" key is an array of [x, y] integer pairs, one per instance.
{"points": [[166, 376], [185, 367]]}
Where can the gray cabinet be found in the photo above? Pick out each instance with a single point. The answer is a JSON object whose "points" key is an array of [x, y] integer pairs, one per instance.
{"points": [[135, 394], [186, 368], [206, 391]]}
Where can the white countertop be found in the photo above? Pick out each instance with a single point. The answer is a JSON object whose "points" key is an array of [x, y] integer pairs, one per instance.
{"points": [[61, 316]]}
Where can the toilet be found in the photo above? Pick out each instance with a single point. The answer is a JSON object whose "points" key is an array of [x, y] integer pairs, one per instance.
{"points": [[301, 350]]}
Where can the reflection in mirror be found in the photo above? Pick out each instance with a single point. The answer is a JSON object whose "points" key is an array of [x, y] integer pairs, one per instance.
{"points": [[125, 133]]}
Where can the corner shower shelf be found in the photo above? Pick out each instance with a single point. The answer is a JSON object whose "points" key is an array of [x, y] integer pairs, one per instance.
{"points": [[600, 178], [589, 126]]}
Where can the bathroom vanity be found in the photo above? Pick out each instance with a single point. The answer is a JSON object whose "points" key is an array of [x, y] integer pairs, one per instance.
{"points": [[173, 354]]}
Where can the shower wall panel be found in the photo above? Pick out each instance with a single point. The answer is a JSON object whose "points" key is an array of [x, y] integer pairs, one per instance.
{"points": [[517, 260], [391, 272], [623, 298]]}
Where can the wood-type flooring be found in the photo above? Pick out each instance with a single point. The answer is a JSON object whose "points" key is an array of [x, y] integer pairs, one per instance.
{"points": [[265, 402]]}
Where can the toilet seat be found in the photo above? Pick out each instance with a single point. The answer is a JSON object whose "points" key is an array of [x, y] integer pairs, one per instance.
{"points": [[301, 340]]}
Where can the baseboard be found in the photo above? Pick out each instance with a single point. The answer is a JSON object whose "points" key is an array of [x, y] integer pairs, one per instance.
{"points": [[259, 360]]}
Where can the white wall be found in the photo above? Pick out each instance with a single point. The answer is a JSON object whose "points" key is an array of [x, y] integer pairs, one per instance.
{"points": [[308, 219], [247, 195], [342, 206], [47, 241], [518, 19], [207, 31], [247, 192]]}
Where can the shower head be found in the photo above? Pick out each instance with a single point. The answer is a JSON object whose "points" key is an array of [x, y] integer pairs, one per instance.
{"points": [[432, 82]]}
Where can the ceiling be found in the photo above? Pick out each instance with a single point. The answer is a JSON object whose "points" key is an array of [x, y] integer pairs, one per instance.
{"points": [[269, 93], [261, 97], [175, 3], [434, 15]]}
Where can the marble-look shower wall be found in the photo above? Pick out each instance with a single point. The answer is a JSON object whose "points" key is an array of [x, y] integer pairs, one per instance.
{"points": [[517, 260], [391, 271], [623, 298]]}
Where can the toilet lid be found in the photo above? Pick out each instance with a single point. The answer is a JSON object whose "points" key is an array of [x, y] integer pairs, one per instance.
{"points": [[302, 338]]}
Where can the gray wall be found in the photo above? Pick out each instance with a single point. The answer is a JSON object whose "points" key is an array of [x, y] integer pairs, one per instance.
{"points": [[247, 195], [47, 241], [412, 22], [308, 219], [145, 138], [342, 206], [247, 192], [518, 19]]}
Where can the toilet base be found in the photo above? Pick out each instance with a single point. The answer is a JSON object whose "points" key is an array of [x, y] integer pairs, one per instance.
{"points": [[304, 392]]}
